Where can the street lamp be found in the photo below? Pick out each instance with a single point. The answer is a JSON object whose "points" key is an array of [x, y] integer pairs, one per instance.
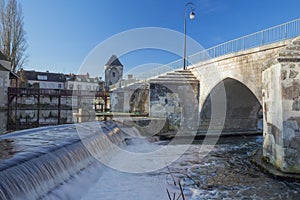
{"points": [[192, 7]]}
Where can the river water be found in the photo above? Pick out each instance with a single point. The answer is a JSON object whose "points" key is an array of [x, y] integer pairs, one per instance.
{"points": [[226, 172]]}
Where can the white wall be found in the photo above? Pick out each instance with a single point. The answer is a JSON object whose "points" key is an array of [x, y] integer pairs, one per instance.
{"points": [[81, 85], [48, 84]]}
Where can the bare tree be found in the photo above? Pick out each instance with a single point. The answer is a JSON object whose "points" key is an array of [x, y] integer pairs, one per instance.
{"points": [[12, 34]]}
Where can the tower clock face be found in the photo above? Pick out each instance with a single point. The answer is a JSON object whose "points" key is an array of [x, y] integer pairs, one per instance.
{"points": [[114, 76]]}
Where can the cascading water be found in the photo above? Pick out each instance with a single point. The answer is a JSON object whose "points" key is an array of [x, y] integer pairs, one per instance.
{"points": [[58, 163], [42, 159]]}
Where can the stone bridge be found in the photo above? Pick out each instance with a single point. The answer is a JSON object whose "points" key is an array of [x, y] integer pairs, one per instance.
{"points": [[267, 78], [239, 76], [246, 91]]}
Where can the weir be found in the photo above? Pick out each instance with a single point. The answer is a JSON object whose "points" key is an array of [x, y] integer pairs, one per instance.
{"points": [[38, 161]]}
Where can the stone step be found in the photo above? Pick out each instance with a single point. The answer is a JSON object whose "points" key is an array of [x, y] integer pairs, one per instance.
{"points": [[176, 74], [178, 77], [136, 85], [183, 71], [172, 81]]}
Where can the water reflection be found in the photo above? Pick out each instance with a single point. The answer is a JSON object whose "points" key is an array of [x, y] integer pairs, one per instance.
{"points": [[6, 148]]}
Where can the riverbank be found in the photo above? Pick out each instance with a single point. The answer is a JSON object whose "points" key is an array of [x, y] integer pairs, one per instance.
{"points": [[201, 135], [271, 170]]}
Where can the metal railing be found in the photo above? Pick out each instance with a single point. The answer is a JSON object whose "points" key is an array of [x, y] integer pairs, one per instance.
{"points": [[278, 33], [271, 35], [56, 92]]}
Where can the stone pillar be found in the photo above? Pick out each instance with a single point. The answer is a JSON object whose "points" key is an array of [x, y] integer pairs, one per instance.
{"points": [[117, 101], [130, 99], [174, 96], [281, 104]]}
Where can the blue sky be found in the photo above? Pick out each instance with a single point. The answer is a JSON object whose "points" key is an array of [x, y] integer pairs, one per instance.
{"points": [[61, 33]]}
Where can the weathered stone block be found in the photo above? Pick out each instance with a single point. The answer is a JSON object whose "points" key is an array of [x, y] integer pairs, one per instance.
{"points": [[293, 73], [289, 133], [276, 132], [296, 105], [295, 143], [292, 124], [283, 75]]}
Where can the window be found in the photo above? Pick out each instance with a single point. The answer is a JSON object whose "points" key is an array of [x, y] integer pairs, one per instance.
{"points": [[114, 74], [42, 77]]}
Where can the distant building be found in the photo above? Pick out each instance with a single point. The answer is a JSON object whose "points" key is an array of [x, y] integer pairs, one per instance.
{"points": [[43, 80], [82, 82], [5, 71], [5, 75], [113, 71]]}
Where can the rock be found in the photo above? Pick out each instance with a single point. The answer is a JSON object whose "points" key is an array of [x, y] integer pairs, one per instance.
{"points": [[290, 124], [293, 74], [295, 143], [296, 105]]}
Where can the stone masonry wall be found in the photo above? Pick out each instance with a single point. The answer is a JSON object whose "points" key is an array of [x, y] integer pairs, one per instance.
{"points": [[177, 102], [281, 97]]}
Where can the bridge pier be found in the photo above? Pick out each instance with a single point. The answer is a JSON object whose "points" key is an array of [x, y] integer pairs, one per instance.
{"points": [[131, 99], [175, 97], [281, 105]]}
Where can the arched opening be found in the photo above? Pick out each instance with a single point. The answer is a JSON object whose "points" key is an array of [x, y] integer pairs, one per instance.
{"points": [[243, 110]]}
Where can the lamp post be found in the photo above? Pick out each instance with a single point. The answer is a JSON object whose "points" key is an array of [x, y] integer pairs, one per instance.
{"points": [[192, 7]]}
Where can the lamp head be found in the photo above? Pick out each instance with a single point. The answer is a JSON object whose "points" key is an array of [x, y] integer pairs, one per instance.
{"points": [[192, 15]]}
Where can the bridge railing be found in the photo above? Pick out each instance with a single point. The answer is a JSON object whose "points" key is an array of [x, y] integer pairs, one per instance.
{"points": [[144, 76], [278, 33]]}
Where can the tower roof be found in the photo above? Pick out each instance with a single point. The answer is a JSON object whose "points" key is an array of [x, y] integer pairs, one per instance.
{"points": [[113, 61]]}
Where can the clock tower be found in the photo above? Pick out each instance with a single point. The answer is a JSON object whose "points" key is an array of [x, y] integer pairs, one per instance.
{"points": [[113, 71]]}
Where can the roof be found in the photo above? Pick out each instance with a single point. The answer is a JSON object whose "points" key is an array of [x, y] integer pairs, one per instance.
{"points": [[5, 64], [113, 61], [2, 68], [52, 77]]}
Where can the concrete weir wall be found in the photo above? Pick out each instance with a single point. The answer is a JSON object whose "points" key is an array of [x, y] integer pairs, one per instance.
{"points": [[54, 155], [281, 104]]}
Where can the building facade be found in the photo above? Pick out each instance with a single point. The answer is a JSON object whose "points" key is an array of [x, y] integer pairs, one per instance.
{"points": [[5, 74], [42, 80], [82, 82]]}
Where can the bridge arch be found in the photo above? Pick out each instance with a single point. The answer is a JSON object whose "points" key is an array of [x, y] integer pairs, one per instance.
{"points": [[243, 108], [215, 78]]}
